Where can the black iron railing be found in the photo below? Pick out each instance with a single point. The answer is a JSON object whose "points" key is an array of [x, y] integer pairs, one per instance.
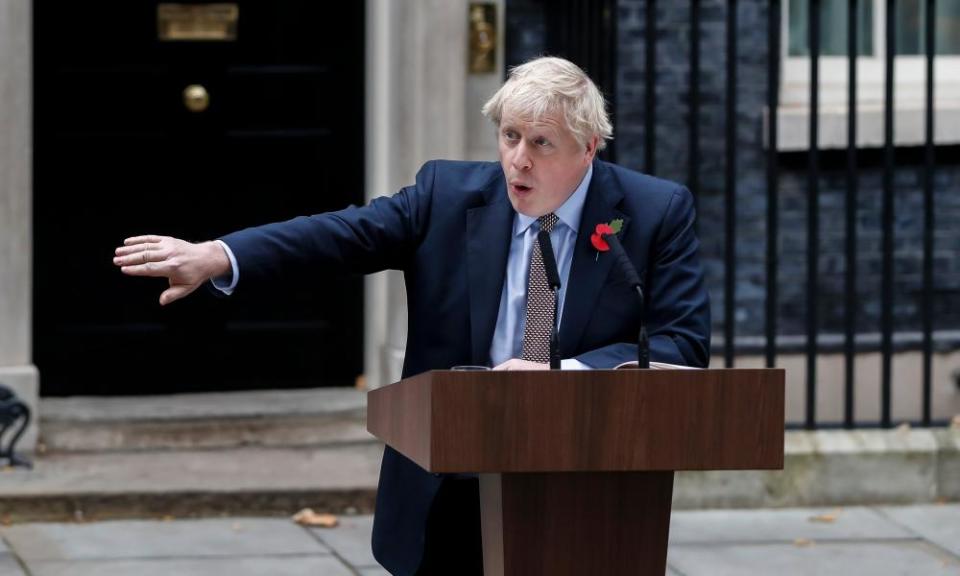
{"points": [[587, 40], [813, 228]]}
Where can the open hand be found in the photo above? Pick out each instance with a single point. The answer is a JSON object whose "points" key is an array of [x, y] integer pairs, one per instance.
{"points": [[185, 265]]}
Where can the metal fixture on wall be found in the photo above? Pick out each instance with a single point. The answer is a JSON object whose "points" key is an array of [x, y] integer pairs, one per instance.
{"points": [[196, 98], [483, 37]]}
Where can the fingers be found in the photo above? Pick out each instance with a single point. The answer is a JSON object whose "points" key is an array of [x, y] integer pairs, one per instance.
{"points": [[511, 364], [155, 269], [124, 250], [174, 293], [518, 364], [140, 257], [141, 250], [135, 245], [151, 238]]}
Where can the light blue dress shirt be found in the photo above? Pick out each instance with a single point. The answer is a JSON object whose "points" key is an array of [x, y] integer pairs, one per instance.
{"points": [[508, 335]]}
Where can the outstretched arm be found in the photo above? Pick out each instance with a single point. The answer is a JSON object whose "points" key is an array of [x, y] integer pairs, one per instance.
{"points": [[363, 239]]}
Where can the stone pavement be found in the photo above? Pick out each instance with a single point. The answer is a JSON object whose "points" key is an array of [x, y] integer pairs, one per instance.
{"points": [[909, 540]]}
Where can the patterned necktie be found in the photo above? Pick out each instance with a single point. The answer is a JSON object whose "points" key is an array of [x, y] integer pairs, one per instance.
{"points": [[540, 302]]}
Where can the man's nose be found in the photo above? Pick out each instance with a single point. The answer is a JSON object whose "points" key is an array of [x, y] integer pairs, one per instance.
{"points": [[521, 159]]}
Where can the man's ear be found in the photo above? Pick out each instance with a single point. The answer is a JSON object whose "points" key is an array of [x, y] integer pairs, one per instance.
{"points": [[591, 150]]}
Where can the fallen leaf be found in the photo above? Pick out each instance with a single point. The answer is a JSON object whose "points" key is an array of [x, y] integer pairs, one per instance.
{"points": [[307, 517], [827, 518], [905, 427], [6, 521], [167, 518], [955, 422], [803, 543]]}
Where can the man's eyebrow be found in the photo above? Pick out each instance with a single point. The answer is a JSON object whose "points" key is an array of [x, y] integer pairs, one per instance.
{"points": [[545, 130]]}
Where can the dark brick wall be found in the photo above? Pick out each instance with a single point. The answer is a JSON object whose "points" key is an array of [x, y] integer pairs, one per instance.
{"points": [[526, 31], [525, 37]]}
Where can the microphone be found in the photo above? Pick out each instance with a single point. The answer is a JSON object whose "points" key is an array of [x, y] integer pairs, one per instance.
{"points": [[553, 280], [626, 266], [549, 262]]}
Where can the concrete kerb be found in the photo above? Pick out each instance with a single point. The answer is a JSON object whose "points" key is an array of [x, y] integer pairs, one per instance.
{"points": [[948, 463], [838, 467]]}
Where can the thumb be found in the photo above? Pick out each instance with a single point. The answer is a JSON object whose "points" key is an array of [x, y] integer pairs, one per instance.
{"points": [[176, 292]]}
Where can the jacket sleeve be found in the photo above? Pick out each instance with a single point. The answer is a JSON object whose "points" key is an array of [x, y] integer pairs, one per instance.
{"points": [[379, 236], [677, 306]]}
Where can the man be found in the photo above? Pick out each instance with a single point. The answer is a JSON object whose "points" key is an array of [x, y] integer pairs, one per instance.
{"points": [[465, 236]]}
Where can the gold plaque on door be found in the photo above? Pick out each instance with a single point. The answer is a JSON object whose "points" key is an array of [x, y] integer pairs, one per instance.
{"points": [[197, 22]]}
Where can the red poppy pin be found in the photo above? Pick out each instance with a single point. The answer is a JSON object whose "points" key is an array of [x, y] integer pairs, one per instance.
{"points": [[602, 230]]}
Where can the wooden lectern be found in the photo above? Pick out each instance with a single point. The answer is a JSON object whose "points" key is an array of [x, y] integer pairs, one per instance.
{"points": [[576, 467]]}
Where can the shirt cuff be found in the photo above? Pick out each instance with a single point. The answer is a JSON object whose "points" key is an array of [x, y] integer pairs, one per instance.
{"points": [[573, 364], [226, 284]]}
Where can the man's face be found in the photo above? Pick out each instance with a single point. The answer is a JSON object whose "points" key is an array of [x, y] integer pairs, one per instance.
{"points": [[542, 161]]}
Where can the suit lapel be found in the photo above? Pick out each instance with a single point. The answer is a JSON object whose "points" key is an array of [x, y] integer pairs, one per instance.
{"points": [[488, 245], [588, 272]]}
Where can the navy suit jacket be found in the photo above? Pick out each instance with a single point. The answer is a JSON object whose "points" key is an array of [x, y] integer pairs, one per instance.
{"points": [[450, 235]]}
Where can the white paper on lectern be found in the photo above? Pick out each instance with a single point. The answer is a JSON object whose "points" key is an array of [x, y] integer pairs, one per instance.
{"points": [[656, 366]]}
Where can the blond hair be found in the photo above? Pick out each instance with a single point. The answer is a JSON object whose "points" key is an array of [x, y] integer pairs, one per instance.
{"points": [[549, 85]]}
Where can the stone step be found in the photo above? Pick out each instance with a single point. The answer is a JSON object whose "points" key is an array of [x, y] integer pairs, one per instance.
{"points": [[192, 483], [278, 418]]}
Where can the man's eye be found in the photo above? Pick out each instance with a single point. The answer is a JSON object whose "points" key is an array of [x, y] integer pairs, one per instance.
{"points": [[510, 135], [542, 142]]}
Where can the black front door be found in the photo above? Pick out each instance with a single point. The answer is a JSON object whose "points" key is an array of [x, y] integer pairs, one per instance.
{"points": [[118, 152]]}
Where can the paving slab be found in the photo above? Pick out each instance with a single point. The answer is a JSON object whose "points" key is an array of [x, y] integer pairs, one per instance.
{"points": [[783, 525], [350, 540], [155, 540], [9, 565], [940, 524], [274, 566], [890, 558]]}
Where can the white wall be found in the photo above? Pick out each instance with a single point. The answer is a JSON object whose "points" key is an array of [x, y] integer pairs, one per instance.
{"points": [[16, 241]]}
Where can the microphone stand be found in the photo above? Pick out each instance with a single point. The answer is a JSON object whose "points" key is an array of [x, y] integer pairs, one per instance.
{"points": [[555, 333], [643, 342]]}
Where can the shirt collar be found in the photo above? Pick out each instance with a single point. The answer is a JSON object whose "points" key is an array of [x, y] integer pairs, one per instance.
{"points": [[569, 212]]}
